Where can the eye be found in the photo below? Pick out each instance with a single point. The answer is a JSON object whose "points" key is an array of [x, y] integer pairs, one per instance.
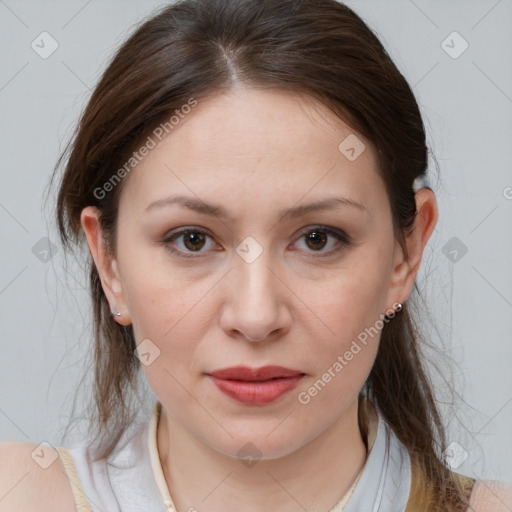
{"points": [[318, 237], [193, 241]]}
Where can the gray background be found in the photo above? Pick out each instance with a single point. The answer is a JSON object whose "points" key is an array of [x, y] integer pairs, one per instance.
{"points": [[467, 107]]}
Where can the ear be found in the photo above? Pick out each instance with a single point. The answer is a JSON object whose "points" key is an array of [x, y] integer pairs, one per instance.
{"points": [[406, 267], [106, 264]]}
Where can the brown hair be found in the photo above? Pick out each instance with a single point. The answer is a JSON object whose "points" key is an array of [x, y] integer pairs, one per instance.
{"points": [[196, 48]]}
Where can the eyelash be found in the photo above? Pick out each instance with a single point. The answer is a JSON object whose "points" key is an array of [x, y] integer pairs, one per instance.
{"points": [[344, 240]]}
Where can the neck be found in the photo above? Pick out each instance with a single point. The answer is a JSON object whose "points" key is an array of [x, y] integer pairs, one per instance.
{"points": [[313, 478]]}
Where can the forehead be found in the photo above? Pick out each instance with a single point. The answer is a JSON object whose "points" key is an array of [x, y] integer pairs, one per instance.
{"points": [[253, 143]]}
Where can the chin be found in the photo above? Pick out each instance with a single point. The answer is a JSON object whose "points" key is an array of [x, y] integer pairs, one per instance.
{"points": [[256, 444]]}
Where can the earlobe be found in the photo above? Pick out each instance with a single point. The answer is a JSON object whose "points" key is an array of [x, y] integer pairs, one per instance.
{"points": [[105, 263]]}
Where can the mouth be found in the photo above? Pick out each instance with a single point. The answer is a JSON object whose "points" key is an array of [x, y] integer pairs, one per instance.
{"points": [[244, 373], [256, 386]]}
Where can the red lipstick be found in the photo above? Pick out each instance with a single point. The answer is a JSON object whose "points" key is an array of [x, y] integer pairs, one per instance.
{"points": [[255, 386]]}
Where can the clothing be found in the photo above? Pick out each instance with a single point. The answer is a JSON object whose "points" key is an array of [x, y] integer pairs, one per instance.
{"points": [[132, 478]]}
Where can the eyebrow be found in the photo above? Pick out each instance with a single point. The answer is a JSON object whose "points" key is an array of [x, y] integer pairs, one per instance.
{"points": [[219, 212]]}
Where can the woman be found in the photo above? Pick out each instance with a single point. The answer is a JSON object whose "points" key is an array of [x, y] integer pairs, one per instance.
{"points": [[250, 179]]}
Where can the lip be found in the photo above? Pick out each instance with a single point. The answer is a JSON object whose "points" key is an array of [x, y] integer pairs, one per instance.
{"points": [[255, 386]]}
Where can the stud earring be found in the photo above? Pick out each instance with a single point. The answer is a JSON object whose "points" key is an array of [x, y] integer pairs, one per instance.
{"points": [[115, 313], [397, 310]]}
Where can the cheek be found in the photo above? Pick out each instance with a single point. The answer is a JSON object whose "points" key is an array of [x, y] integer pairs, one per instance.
{"points": [[349, 312], [352, 300], [344, 355], [165, 312], [170, 316], [156, 296]]}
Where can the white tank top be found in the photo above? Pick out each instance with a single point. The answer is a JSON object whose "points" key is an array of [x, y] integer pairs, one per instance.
{"points": [[132, 480]]}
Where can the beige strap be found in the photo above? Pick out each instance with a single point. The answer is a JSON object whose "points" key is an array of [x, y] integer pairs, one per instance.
{"points": [[156, 466], [341, 504], [372, 421], [81, 502]]}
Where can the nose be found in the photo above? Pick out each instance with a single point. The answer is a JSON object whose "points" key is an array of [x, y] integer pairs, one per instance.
{"points": [[255, 339], [256, 306]]}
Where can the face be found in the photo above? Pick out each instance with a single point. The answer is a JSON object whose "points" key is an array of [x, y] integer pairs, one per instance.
{"points": [[250, 285]]}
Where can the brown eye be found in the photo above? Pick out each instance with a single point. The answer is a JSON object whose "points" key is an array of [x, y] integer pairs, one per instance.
{"points": [[187, 241], [193, 240], [316, 239]]}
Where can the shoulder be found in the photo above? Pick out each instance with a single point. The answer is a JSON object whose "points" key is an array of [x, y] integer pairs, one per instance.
{"points": [[490, 496], [33, 477]]}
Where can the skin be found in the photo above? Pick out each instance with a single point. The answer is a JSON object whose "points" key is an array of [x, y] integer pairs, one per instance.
{"points": [[256, 152]]}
